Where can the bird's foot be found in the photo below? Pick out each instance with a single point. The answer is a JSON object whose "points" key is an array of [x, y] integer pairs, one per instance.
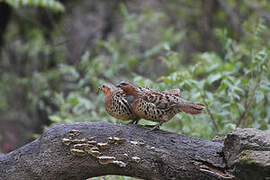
{"points": [[156, 127], [134, 121]]}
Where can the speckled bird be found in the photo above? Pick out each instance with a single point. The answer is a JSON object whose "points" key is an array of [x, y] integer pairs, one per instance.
{"points": [[155, 105], [117, 103]]}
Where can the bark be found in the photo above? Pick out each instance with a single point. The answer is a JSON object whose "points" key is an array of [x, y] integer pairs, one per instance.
{"points": [[83, 150], [248, 152]]}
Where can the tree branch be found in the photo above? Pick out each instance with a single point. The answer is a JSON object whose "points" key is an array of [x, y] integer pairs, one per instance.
{"points": [[212, 119], [210, 114], [84, 150], [249, 102]]}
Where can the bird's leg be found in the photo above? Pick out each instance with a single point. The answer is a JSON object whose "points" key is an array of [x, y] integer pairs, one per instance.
{"points": [[134, 121], [155, 127], [131, 122]]}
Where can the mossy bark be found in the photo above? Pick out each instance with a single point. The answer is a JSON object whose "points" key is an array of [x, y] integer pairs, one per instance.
{"points": [[247, 151]]}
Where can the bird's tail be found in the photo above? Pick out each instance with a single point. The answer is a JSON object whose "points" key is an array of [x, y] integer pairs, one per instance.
{"points": [[191, 108]]}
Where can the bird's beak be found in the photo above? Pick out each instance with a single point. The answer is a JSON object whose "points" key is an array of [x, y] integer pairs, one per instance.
{"points": [[118, 85]]}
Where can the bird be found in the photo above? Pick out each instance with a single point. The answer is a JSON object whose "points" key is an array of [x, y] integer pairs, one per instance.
{"points": [[156, 105], [117, 103]]}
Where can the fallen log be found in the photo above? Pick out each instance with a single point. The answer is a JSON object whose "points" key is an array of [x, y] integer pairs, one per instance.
{"points": [[91, 149]]}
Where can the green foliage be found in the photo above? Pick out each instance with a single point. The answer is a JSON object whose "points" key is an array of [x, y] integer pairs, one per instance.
{"points": [[177, 45], [48, 4], [81, 103], [235, 89], [234, 86]]}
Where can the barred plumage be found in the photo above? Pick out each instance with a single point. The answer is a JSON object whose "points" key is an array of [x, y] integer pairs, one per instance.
{"points": [[117, 103], [157, 106]]}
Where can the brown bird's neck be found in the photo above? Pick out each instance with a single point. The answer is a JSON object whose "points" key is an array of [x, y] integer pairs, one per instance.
{"points": [[108, 100], [107, 94], [131, 91]]}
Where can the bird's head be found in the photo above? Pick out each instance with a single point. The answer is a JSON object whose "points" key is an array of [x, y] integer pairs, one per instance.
{"points": [[128, 87], [107, 88]]}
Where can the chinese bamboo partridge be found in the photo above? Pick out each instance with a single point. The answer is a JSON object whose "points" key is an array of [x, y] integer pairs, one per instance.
{"points": [[117, 103], [157, 106]]}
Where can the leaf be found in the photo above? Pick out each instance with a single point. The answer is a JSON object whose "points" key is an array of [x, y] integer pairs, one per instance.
{"points": [[73, 100], [236, 88], [55, 118], [230, 126], [49, 4], [226, 105], [123, 10], [259, 96], [154, 50], [265, 87], [236, 96], [166, 46], [70, 71], [221, 87], [240, 106], [214, 77]]}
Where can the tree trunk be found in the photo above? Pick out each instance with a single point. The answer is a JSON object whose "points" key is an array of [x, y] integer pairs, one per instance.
{"points": [[5, 12], [84, 150]]}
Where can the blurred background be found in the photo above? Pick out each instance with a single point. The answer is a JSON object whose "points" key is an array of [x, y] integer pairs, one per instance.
{"points": [[55, 53]]}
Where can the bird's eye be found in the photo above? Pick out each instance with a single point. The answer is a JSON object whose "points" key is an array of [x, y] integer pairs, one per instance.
{"points": [[124, 84], [102, 86]]}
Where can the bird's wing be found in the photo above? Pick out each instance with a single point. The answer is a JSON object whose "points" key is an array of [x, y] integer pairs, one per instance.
{"points": [[175, 92], [160, 100]]}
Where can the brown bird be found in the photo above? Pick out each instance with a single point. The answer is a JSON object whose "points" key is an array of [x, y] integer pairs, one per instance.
{"points": [[157, 106], [117, 103]]}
